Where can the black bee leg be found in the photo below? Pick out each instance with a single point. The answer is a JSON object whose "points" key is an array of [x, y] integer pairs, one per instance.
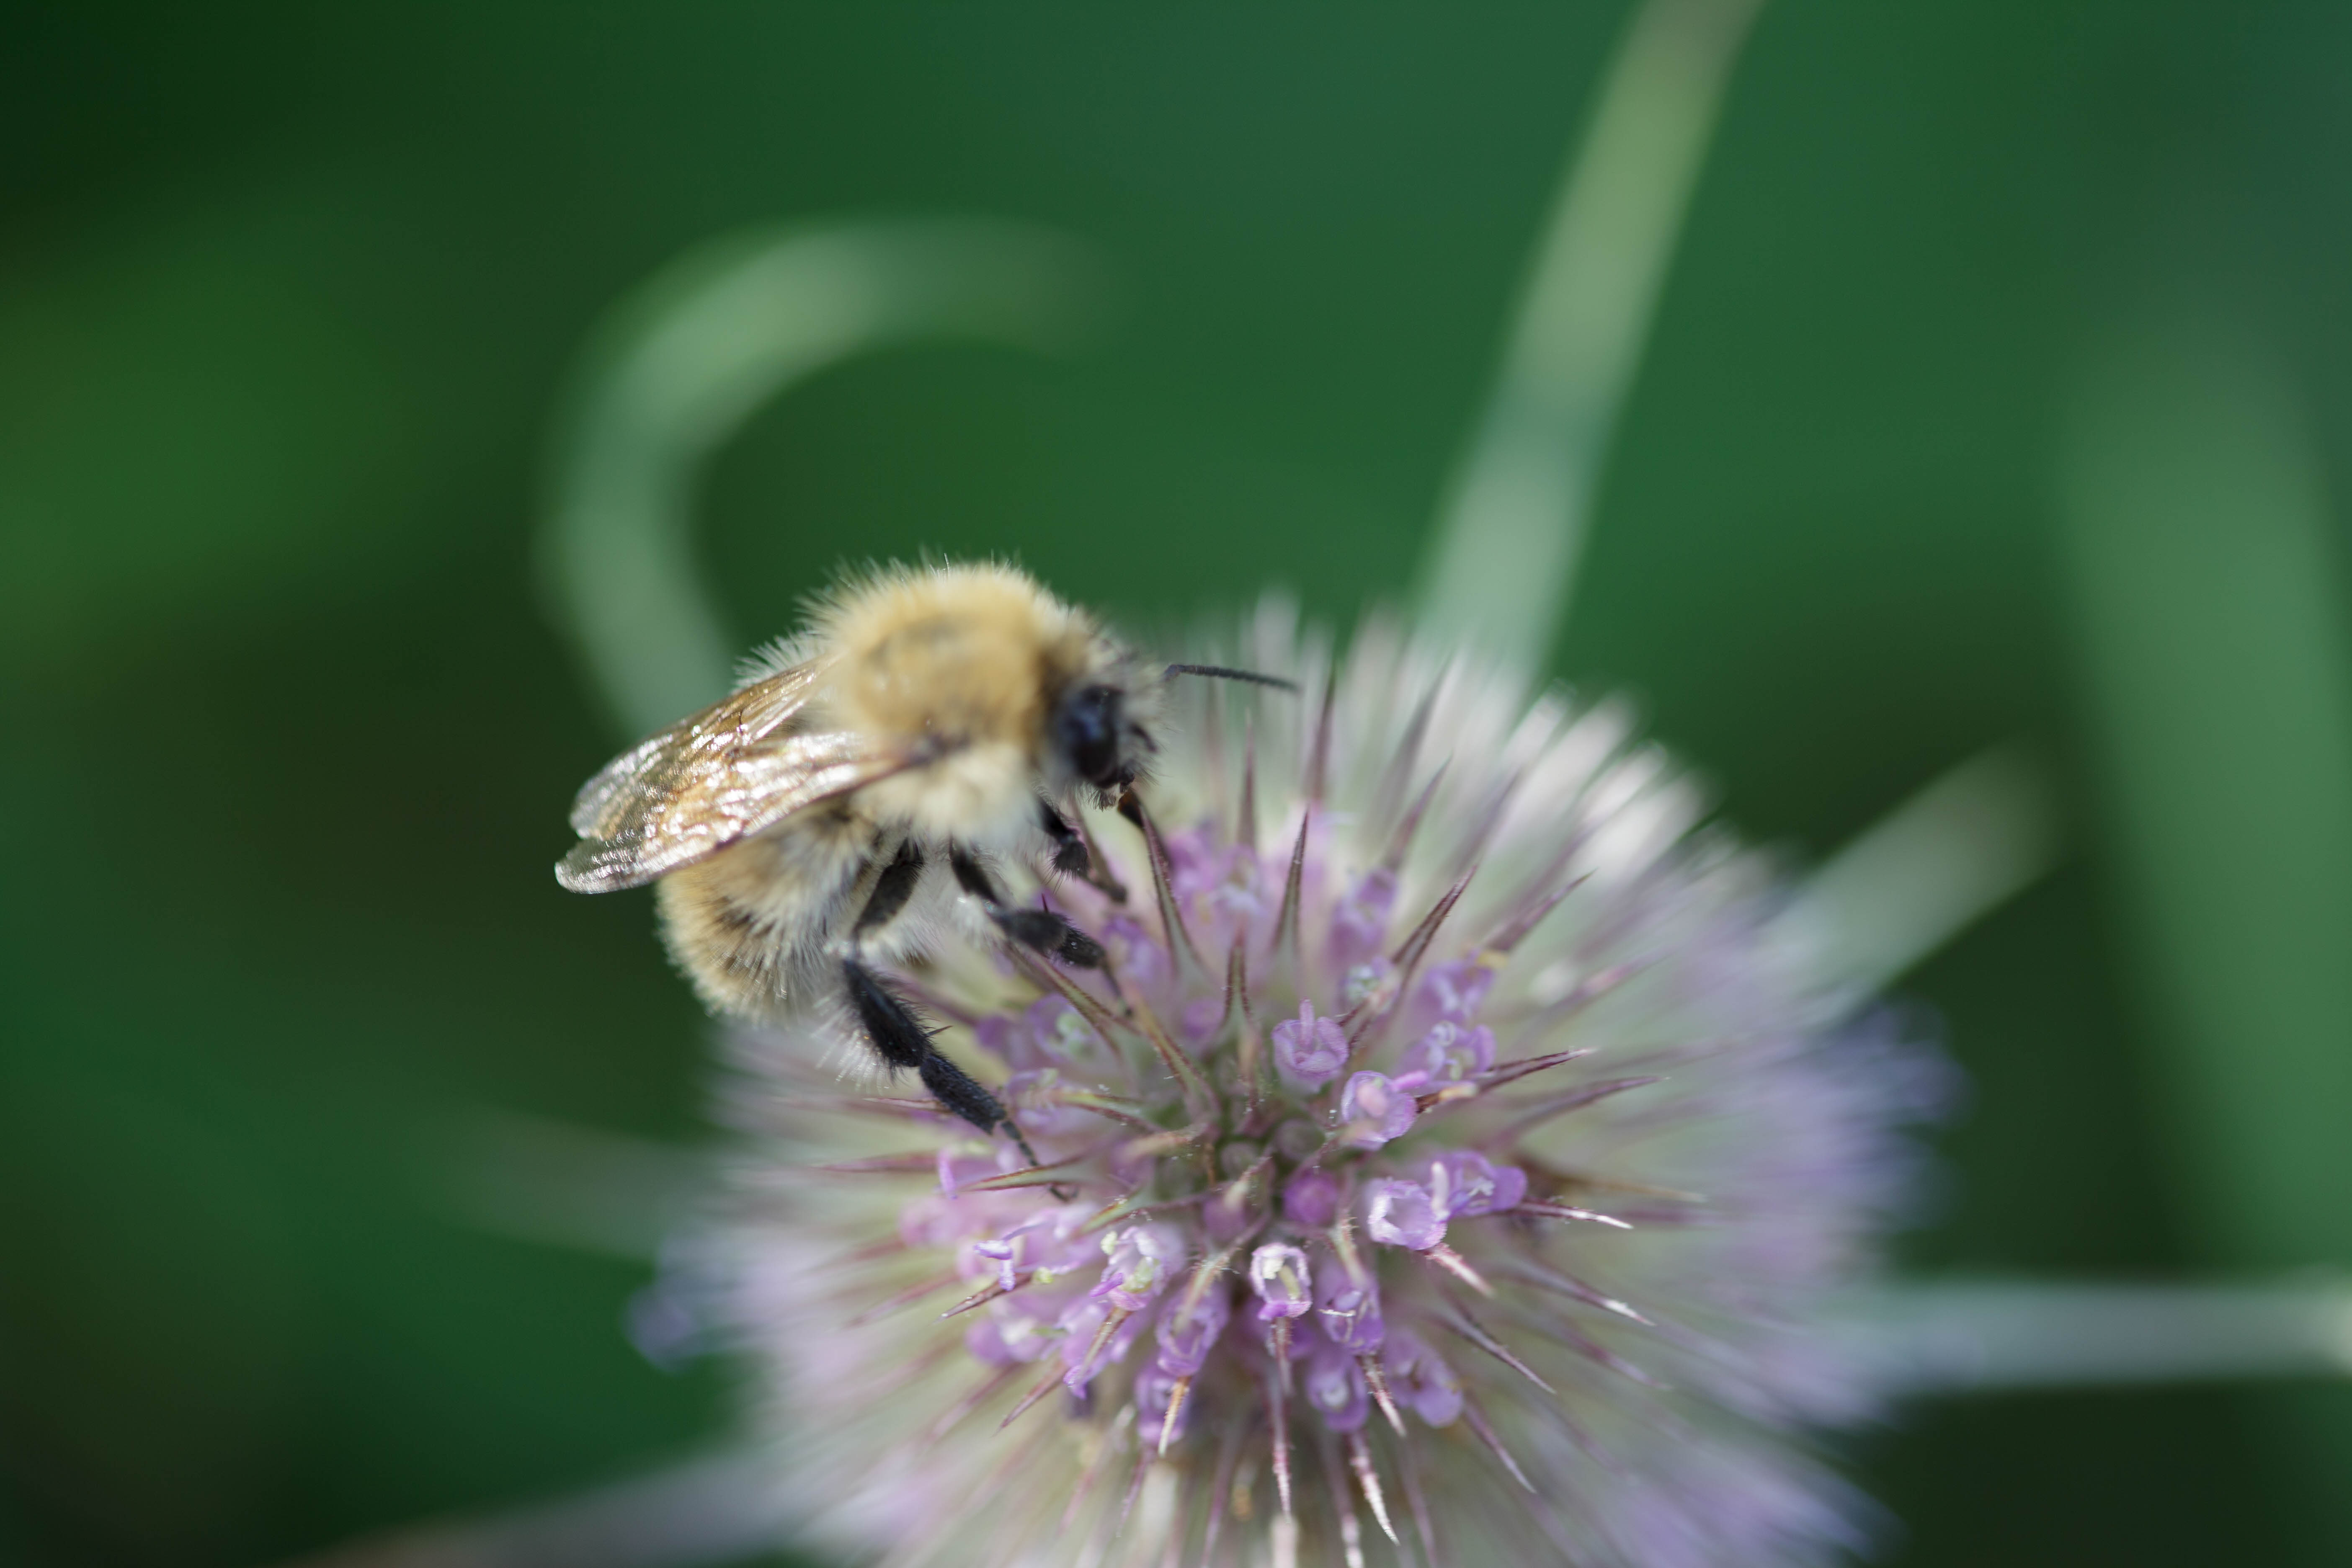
{"points": [[891, 890], [1070, 857], [901, 1040], [1074, 855], [962, 1093], [897, 1033], [1040, 928]]}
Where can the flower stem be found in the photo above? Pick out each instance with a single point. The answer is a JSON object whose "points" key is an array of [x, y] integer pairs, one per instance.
{"points": [[1929, 870], [1991, 1336], [1503, 557]]}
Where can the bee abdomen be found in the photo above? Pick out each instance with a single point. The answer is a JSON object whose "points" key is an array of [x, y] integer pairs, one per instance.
{"points": [[749, 925]]}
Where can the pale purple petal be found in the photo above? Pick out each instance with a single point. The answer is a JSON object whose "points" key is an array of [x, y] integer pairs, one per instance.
{"points": [[1347, 1309], [1284, 1283], [1399, 1214], [1421, 1382], [1464, 1182], [1309, 1050], [1311, 1199], [1452, 993], [1448, 1053], [1155, 1386], [1140, 956], [1360, 921], [956, 1168], [1080, 1324], [1333, 1386], [1142, 1260], [1365, 981], [1373, 1111], [1186, 1337]]}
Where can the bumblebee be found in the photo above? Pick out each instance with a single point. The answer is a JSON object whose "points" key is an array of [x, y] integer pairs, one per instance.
{"points": [[946, 716]]}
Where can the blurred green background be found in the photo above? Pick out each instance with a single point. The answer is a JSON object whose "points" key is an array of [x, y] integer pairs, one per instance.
{"points": [[287, 301]]}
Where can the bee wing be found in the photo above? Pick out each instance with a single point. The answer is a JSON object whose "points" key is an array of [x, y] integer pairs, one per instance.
{"points": [[734, 769]]}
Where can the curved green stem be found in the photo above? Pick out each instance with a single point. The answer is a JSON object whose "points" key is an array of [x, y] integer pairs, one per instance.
{"points": [[680, 365]]}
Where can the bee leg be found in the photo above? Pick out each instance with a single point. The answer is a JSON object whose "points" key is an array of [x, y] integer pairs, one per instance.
{"points": [[1070, 857], [1074, 856], [899, 1034], [1040, 928], [892, 888], [902, 1042]]}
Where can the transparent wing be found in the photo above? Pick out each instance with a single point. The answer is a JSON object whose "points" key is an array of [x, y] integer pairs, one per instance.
{"points": [[761, 712], [736, 768]]}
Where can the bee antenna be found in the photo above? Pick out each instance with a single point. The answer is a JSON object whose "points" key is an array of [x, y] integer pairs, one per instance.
{"points": [[1221, 672]]}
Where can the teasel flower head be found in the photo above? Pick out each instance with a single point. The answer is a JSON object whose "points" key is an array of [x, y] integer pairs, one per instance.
{"points": [[1457, 1151]]}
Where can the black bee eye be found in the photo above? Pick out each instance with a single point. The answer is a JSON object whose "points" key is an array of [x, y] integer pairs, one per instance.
{"points": [[1085, 728]]}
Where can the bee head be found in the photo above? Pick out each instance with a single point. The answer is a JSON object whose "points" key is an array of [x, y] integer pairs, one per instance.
{"points": [[1096, 737]]}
